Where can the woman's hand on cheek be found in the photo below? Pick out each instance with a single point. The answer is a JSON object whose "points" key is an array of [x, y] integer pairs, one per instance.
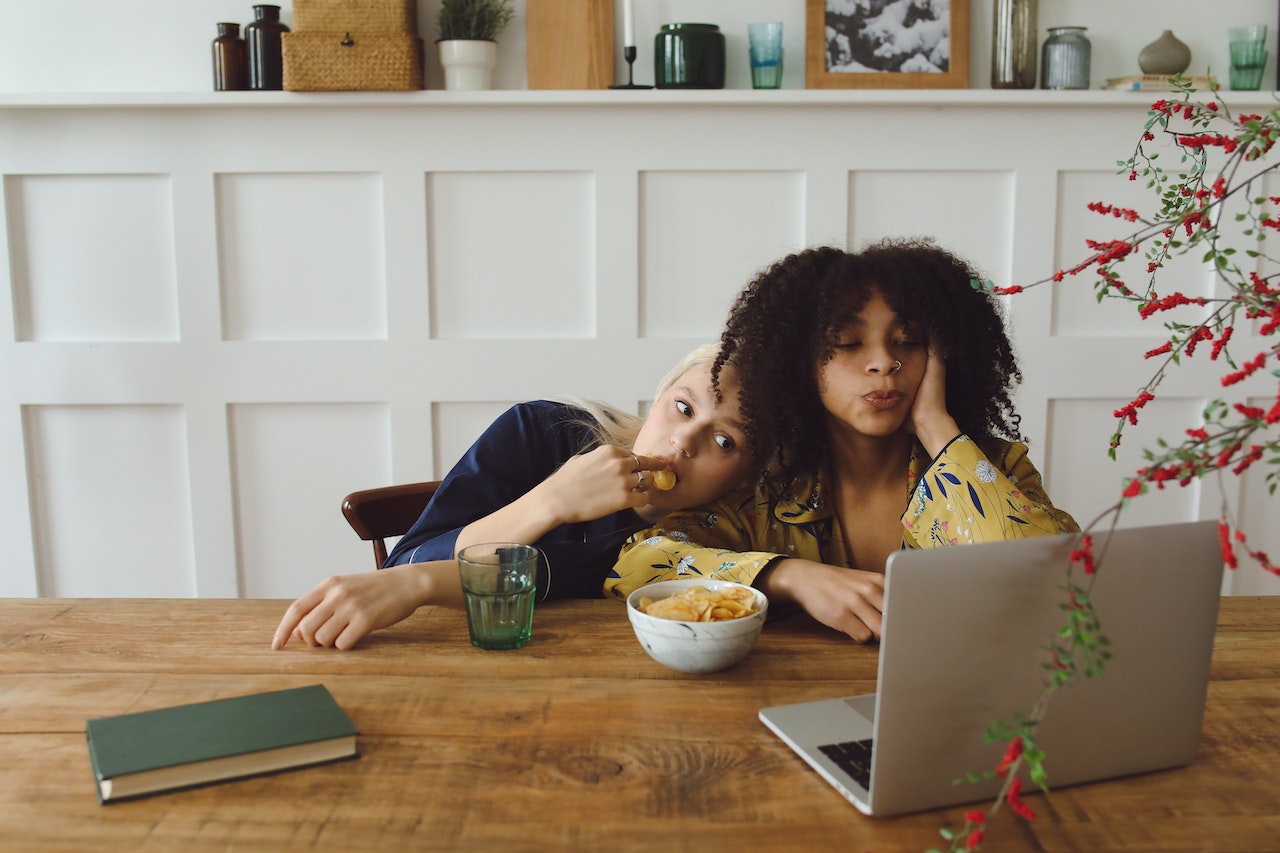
{"points": [[929, 419]]}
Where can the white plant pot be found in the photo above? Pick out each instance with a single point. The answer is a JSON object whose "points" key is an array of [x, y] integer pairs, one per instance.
{"points": [[468, 64]]}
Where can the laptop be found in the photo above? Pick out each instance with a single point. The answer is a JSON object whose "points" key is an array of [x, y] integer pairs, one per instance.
{"points": [[963, 645]]}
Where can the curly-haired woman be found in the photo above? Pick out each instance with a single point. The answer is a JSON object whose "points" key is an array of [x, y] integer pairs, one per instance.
{"points": [[881, 380]]}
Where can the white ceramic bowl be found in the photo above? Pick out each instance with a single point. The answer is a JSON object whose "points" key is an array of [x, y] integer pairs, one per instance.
{"points": [[695, 646]]}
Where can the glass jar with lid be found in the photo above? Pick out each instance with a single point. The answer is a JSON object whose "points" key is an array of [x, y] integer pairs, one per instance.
{"points": [[1065, 58], [689, 56]]}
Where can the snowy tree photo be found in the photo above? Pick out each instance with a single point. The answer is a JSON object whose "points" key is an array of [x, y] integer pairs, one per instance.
{"points": [[888, 36]]}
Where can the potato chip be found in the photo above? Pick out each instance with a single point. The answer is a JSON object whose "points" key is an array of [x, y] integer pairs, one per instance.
{"points": [[664, 479], [702, 604]]}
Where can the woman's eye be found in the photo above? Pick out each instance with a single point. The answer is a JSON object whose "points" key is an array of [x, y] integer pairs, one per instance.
{"points": [[725, 443], [848, 344], [684, 408]]}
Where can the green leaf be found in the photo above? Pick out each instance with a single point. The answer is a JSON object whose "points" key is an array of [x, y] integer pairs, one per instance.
{"points": [[1040, 778]]}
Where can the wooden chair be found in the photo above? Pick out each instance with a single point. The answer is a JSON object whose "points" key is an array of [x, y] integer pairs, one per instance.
{"points": [[376, 514]]}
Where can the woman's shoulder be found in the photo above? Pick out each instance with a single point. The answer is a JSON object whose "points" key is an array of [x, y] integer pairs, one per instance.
{"points": [[544, 420], [542, 411], [561, 409], [994, 447]]}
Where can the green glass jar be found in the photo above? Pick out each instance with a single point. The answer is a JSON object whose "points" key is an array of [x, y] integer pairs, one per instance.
{"points": [[688, 56]]}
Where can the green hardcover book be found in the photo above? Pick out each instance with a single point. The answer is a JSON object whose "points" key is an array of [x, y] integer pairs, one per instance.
{"points": [[153, 751]]}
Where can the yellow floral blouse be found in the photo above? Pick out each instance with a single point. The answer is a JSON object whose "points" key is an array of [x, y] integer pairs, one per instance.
{"points": [[965, 495]]}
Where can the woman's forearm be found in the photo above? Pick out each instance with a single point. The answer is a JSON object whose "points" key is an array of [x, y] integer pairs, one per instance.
{"points": [[525, 520]]}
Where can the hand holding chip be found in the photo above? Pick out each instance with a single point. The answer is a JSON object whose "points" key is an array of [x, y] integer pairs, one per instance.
{"points": [[663, 479]]}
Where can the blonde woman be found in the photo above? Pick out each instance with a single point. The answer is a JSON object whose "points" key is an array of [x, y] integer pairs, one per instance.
{"points": [[573, 477]]}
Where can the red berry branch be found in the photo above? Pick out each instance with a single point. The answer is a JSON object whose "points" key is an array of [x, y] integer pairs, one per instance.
{"points": [[1222, 165]]}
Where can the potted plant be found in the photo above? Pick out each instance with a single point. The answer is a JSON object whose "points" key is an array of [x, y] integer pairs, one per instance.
{"points": [[468, 46]]}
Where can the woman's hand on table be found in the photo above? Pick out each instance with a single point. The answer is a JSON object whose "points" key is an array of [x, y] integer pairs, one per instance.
{"points": [[341, 610], [849, 600]]}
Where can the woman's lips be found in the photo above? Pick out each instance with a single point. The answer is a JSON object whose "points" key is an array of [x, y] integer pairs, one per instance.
{"points": [[882, 399]]}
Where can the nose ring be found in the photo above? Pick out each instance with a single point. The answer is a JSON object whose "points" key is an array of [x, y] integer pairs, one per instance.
{"points": [[897, 365]]}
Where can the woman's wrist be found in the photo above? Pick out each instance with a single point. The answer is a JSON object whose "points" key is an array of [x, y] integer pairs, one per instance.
{"points": [[935, 436], [436, 582], [777, 580], [526, 519]]}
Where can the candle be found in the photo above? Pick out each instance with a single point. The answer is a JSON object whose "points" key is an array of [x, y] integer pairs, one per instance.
{"points": [[628, 25]]}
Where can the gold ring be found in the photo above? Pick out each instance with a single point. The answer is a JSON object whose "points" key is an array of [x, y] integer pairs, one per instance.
{"points": [[640, 481], [635, 459]]}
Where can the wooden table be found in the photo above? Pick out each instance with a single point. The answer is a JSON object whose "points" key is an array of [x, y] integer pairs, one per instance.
{"points": [[576, 742]]}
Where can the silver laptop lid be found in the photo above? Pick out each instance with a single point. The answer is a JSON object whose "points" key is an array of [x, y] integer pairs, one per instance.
{"points": [[964, 645]]}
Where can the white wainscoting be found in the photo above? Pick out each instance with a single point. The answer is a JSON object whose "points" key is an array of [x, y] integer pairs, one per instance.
{"points": [[226, 311]]}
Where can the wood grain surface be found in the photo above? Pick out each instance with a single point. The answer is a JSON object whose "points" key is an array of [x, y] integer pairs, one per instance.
{"points": [[576, 742]]}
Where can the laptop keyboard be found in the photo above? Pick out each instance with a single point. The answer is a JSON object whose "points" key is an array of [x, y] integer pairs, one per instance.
{"points": [[853, 757]]}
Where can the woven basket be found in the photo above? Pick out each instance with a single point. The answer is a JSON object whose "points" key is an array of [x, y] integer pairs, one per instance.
{"points": [[350, 16], [355, 62]]}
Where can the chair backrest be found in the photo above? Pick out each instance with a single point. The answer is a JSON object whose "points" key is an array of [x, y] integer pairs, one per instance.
{"points": [[376, 514]]}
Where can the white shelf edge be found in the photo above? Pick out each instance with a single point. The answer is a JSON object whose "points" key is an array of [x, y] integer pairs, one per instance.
{"points": [[611, 98]]}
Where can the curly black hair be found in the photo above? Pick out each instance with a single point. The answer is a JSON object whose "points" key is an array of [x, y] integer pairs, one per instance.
{"points": [[782, 326]]}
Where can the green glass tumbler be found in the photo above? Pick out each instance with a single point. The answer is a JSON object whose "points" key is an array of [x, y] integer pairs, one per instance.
{"points": [[498, 588], [764, 46], [1248, 56]]}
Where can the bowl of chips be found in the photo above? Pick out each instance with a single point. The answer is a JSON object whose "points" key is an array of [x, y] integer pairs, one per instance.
{"points": [[697, 625]]}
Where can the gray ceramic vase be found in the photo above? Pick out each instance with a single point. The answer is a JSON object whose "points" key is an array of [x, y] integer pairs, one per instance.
{"points": [[1165, 55]]}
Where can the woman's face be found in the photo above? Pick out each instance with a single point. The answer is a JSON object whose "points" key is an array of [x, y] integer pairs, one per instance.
{"points": [[701, 440], [861, 386]]}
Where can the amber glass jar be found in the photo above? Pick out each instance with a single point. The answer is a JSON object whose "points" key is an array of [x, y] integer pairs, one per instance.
{"points": [[1013, 44], [230, 60], [266, 65]]}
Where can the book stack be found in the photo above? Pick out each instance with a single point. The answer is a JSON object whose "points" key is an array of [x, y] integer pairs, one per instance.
{"points": [[1159, 83]]}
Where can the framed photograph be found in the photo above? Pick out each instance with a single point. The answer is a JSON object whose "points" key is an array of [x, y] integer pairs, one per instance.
{"points": [[887, 44]]}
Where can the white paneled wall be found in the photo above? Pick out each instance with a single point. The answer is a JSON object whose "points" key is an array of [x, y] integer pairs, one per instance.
{"points": [[270, 273], [520, 246], [226, 312], [111, 500], [121, 222]]}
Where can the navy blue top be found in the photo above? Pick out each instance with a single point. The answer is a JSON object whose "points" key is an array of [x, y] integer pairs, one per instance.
{"points": [[519, 450]]}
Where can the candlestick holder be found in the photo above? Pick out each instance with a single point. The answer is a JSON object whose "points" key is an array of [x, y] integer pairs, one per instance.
{"points": [[629, 54]]}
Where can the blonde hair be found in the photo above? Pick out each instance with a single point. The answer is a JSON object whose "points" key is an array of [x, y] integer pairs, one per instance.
{"points": [[611, 425]]}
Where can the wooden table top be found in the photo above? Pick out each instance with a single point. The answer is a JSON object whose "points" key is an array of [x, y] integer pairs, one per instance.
{"points": [[576, 742]]}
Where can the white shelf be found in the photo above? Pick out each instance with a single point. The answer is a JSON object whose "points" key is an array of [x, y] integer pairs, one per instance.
{"points": [[675, 98]]}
